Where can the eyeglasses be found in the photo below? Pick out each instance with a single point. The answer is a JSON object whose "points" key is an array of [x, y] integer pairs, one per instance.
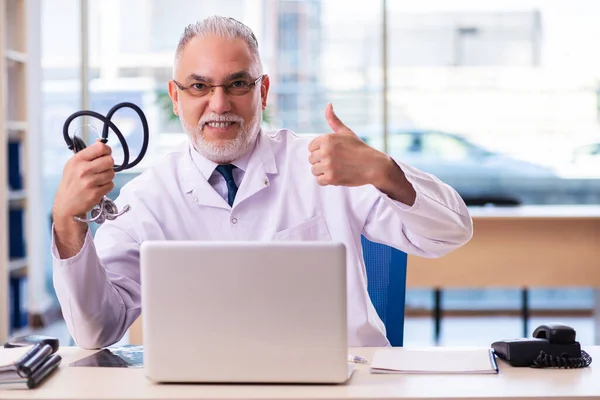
{"points": [[236, 88]]}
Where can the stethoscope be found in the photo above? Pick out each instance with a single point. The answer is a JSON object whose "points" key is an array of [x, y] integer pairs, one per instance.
{"points": [[106, 209]]}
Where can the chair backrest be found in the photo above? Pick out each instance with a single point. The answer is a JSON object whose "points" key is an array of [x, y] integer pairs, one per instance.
{"points": [[386, 274]]}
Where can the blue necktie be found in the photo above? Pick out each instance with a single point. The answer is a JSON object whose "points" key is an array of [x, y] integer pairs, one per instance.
{"points": [[227, 172]]}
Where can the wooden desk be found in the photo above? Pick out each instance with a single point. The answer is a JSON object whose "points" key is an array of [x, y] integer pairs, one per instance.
{"points": [[520, 247], [528, 246], [510, 383]]}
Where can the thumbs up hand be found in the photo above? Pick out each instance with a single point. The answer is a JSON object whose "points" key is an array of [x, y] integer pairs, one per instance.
{"points": [[341, 158]]}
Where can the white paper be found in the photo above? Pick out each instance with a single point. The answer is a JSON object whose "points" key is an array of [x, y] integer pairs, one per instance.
{"points": [[436, 360], [9, 356]]}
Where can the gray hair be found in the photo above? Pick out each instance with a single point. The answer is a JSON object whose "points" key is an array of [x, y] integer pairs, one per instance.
{"points": [[220, 26]]}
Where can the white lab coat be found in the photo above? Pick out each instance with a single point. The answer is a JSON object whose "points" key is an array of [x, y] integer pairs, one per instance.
{"points": [[278, 199]]}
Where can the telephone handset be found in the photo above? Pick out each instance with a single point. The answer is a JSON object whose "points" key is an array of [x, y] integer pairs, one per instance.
{"points": [[552, 345]]}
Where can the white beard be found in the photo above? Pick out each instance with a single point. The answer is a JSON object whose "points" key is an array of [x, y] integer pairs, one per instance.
{"points": [[223, 151]]}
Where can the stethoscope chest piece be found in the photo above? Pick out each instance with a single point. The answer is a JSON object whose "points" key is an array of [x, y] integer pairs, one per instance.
{"points": [[105, 210]]}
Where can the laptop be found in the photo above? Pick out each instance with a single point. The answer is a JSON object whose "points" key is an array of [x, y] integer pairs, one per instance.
{"points": [[244, 312]]}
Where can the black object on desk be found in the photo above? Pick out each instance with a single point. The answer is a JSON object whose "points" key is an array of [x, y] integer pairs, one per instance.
{"points": [[24, 341], [127, 356], [34, 366], [552, 345]]}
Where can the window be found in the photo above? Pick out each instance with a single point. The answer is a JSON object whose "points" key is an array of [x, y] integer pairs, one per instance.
{"points": [[325, 51], [488, 96]]}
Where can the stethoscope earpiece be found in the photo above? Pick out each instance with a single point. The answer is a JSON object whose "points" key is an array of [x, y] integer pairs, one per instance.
{"points": [[106, 209]]}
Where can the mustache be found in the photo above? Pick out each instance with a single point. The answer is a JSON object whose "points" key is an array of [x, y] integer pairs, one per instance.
{"points": [[213, 117]]}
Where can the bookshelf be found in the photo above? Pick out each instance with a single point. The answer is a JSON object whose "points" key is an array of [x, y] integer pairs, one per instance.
{"points": [[20, 191]]}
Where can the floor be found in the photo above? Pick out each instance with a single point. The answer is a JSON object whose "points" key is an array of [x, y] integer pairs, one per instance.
{"points": [[455, 331]]}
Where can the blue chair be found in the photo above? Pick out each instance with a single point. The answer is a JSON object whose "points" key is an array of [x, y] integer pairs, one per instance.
{"points": [[386, 274]]}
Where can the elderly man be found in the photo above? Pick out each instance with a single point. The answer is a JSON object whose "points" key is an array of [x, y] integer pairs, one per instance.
{"points": [[233, 181]]}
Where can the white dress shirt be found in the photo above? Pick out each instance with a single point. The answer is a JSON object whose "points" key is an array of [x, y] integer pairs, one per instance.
{"points": [[278, 199]]}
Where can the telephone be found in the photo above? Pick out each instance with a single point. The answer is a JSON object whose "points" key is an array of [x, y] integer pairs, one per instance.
{"points": [[552, 345]]}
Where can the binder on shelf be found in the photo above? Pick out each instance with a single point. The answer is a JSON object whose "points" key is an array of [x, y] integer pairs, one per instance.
{"points": [[15, 176], [16, 233], [18, 313]]}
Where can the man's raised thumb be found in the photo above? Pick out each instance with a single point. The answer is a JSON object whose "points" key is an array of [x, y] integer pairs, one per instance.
{"points": [[334, 122]]}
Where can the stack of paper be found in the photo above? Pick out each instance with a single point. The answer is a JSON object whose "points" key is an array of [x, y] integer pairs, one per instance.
{"points": [[434, 361], [26, 367]]}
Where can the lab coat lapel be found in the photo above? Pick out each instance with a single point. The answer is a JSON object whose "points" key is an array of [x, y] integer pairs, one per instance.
{"points": [[205, 195], [195, 186], [261, 165]]}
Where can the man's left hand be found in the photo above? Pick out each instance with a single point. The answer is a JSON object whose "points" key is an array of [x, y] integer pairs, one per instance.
{"points": [[341, 158]]}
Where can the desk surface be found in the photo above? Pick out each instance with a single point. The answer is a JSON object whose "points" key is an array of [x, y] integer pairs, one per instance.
{"points": [[510, 383]]}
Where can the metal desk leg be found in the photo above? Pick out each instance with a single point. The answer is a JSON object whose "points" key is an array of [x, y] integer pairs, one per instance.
{"points": [[437, 314], [525, 311], [596, 317]]}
